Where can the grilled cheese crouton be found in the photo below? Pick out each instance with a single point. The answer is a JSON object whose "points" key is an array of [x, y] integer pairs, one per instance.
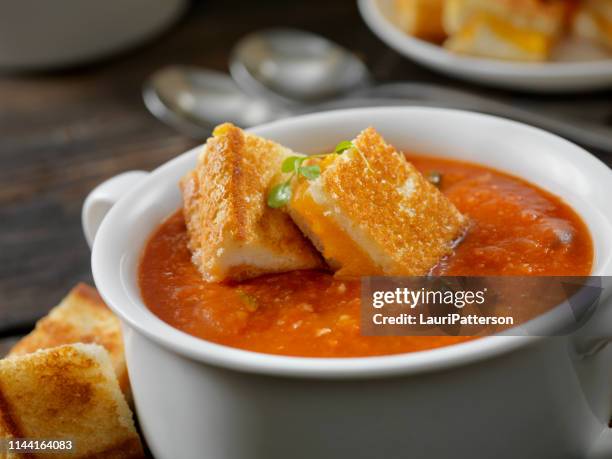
{"points": [[593, 21], [421, 18], [67, 393], [81, 317], [505, 29], [233, 234], [370, 212]]}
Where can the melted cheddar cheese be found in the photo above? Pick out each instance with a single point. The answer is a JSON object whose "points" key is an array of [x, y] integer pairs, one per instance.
{"points": [[338, 245], [530, 41]]}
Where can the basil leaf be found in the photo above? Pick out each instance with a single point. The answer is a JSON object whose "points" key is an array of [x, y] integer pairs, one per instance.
{"points": [[310, 172], [292, 163], [279, 195], [343, 146]]}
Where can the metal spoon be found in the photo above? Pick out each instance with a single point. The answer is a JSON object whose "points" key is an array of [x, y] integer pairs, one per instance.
{"points": [[294, 67], [195, 100]]}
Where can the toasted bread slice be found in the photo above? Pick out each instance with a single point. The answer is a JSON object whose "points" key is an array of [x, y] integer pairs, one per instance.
{"points": [[67, 393], [370, 212], [233, 234], [593, 21], [505, 29], [81, 317], [421, 18]]}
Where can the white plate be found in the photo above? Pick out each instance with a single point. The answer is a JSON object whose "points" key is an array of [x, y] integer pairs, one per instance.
{"points": [[576, 66]]}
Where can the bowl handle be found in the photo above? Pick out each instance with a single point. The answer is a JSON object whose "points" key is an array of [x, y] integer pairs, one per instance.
{"points": [[103, 197]]}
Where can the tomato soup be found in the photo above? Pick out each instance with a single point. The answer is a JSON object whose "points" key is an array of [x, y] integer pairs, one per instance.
{"points": [[516, 229]]}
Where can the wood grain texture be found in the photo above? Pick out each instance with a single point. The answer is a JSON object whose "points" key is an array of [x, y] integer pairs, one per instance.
{"points": [[62, 133]]}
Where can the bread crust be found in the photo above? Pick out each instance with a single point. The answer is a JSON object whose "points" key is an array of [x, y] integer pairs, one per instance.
{"points": [[67, 393], [233, 234], [81, 317], [403, 222], [421, 18]]}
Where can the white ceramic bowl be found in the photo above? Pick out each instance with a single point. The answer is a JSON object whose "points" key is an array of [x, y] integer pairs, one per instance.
{"points": [[503, 397], [36, 35], [579, 67]]}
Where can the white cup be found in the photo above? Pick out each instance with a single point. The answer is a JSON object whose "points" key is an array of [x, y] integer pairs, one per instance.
{"points": [[503, 397], [41, 35]]}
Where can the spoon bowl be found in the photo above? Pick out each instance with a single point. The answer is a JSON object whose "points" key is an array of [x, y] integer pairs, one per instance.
{"points": [[294, 66], [194, 100]]}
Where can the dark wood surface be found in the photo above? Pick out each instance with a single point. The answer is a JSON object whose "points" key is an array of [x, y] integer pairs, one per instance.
{"points": [[62, 133]]}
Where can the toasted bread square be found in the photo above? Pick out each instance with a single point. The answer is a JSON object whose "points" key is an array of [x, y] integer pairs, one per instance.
{"points": [[81, 317], [421, 18], [505, 29], [593, 21], [67, 393], [370, 212], [233, 234]]}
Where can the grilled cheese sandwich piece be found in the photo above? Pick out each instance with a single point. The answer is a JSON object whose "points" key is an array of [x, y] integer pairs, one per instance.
{"points": [[421, 18], [67, 393], [505, 29], [233, 234], [81, 317], [593, 21], [370, 212]]}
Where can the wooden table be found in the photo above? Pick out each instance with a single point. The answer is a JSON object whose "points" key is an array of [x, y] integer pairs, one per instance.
{"points": [[64, 132]]}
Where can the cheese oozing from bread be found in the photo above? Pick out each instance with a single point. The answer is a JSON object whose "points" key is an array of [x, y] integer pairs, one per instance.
{"points": [[370, 212], [505, 29], [233, 234]]}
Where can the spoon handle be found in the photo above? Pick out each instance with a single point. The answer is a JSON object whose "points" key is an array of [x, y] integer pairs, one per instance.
{"points": [[590, 134]]}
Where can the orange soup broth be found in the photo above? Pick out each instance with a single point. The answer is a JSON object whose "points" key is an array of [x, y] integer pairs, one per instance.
{"points": [[516, 229]]}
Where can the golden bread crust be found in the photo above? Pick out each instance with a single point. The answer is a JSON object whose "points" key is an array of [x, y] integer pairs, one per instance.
{"points": [[421, 18], [67, 392], [401, 220], [226, 211], [81, 317]]}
